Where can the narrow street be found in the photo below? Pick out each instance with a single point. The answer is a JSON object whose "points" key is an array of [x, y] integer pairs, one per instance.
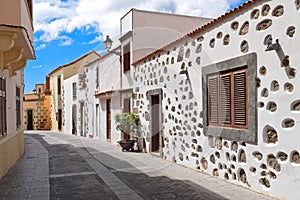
{"points": [[60, 166]]}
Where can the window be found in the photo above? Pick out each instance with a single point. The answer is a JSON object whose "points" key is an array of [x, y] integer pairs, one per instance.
{"points": [[126, 57], [18, 107], [3, 125], [58, 85], [74, 92], [97, 77], [229, 99]]}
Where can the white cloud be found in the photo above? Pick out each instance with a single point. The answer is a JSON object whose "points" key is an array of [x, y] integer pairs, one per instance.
{"points": [[37, 66], [42, 46], [54, 18]]}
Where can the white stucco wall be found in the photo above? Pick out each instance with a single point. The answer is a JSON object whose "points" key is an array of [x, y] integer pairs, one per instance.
{"points": [[11, 83], [68, 101], [271, 168]]}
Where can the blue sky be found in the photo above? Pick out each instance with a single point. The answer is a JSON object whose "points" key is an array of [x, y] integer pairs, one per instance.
{"points": [[67, 29]]}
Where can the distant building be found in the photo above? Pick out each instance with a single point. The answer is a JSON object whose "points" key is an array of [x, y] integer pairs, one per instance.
{"points": [[67, 82], [16, 47], [36, 108]]}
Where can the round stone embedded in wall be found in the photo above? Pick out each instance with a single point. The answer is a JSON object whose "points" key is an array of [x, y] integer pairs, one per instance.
{"points": [[260, 104], [212, 43], [282, 156], [242, 175], [273, 163], [263, 70], [291, 31], [278, 11], [234, 146], [204, 163], [257, 155], [295, 157], [253, 170], [198, 59], [199, 48], [263, 25], [244, 46], [235, 25], [244, 29], [180, 54], [265, 182], [226, 40], [265, 93], [275, 85], [255, 14], [188, 53], [295, 106], [270, 135], [272, 106], [242, 156], [219, 35], [288, 87], [265, 10], [288, 123]]}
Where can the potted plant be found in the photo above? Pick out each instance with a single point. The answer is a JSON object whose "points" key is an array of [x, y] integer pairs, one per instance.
{"points": [[128, 124]]}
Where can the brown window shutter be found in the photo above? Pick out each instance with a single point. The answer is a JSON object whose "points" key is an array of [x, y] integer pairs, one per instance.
{"points": [[213, 102], [240, 98], [225, 98]]}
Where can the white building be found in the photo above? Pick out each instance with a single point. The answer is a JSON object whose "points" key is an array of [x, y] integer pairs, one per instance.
{"points": [[141, 33], [224, 99]]}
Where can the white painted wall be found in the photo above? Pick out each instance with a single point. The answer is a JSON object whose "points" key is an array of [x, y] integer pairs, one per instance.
{"points": [[183, 148], [11, 83], [68, 101]]}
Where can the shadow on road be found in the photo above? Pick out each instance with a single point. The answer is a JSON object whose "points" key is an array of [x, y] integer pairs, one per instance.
{"points": [[65, 159]]}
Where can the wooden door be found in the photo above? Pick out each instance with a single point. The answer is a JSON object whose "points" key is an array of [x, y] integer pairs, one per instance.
{"points": [[155, 123], [29, 120], [74, 119], [108, 119]]}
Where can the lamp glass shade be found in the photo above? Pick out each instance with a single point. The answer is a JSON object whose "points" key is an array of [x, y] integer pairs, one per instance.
{"points": [[107, 43]]}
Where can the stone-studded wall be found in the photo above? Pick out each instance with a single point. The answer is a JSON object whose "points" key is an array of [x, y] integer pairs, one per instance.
{"points": [[272, 165]]}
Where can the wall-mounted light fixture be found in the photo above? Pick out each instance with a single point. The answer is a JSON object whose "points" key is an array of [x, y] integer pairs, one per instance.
{"points": [[185, 71], [107, 45]]}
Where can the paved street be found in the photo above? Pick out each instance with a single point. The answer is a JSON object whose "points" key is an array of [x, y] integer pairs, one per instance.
{"points": [[60, 166]]}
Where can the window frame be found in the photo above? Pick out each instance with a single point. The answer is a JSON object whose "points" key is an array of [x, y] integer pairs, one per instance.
{"points": [[126, 58], [3, 117], [18, 107], [248, 133], [220, 122]]}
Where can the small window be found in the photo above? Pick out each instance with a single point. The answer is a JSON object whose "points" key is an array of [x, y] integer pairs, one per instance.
{"points": [[126, 57], [58, 85], [229, 99], [18, 108], [74, 91]]}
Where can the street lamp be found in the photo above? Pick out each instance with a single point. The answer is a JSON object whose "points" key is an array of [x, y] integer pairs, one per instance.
{"points": [[108, 43]]}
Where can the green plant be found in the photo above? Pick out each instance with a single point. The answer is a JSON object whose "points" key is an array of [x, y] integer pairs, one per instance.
{"points": [[127, 123]]}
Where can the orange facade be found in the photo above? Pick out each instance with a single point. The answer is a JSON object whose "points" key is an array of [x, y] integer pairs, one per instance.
{"points": [[36, 108]]}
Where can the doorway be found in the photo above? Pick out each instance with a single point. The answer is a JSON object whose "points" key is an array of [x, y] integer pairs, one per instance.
{"points": [[29, 120], [97, 120], [108, 119], [81, 118], [59, 119], [126, 109], [155, 123], [74, 119]]}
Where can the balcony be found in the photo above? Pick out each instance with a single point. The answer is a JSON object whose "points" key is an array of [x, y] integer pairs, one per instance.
{"points": [[16, 35]]}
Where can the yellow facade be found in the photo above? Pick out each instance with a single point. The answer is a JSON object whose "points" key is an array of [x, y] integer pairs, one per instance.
{"points": [[57, 77], [16, 47]]}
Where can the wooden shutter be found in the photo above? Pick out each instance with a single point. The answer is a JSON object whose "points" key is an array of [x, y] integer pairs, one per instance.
{"points": [[213, 102], [240, 98], [126, 56], [225, 98]]}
